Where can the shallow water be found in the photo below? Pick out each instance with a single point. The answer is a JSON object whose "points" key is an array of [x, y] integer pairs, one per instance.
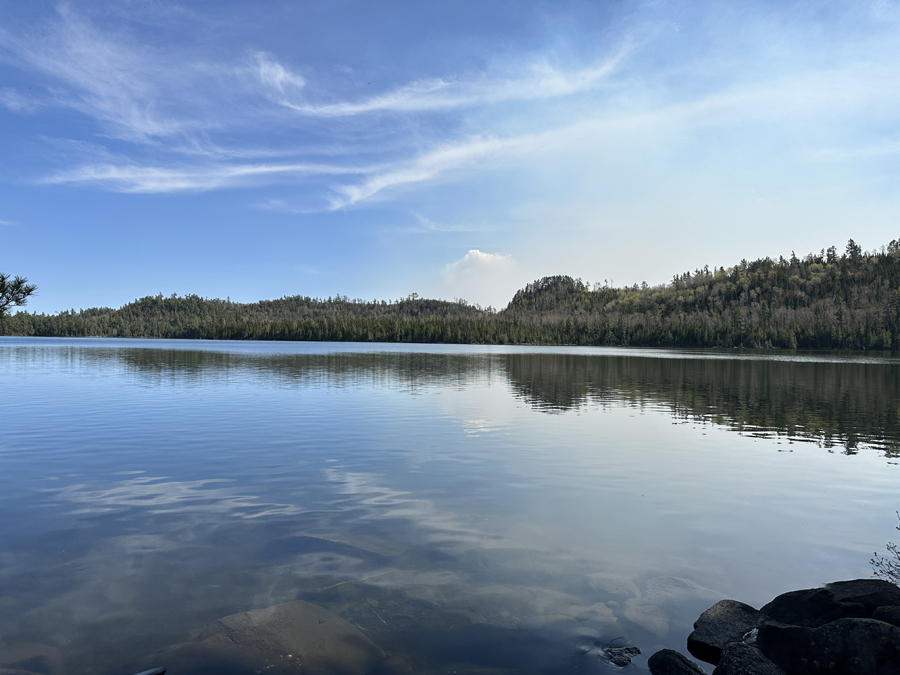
{"points": [[476, 509]]}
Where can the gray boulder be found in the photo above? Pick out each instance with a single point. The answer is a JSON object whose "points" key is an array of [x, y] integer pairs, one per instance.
{"points": [[849, 645], [870, 593], [812, 607], [670, 662], [739, 658], [725, 622], [890, 614]]}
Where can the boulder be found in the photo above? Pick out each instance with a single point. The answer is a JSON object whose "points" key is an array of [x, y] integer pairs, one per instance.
{"points": [[812, 607], [849, 645], [725, 622], [870, 593], [739, 658], [670, 662], [890, 614]]}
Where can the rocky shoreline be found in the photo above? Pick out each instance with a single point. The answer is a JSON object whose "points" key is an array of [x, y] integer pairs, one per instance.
{"points": [[850, 627]]}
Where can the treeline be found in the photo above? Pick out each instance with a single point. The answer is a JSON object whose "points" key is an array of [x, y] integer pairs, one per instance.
{"points": [[829, 300]]}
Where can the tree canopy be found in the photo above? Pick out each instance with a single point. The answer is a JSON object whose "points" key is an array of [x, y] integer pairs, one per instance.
{"points": [[14, 293], [825, 300]]}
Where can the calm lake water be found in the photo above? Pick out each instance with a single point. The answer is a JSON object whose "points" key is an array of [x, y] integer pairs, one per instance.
{"points": [[467, 509]]}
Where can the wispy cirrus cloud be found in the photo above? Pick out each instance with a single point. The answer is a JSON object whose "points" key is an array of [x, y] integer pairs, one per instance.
{"points": [[133, 178], [540, 81], [116, 83], [428, 226]]}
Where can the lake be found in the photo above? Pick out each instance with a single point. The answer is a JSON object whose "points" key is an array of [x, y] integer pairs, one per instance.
{"points": [[442, 508]]}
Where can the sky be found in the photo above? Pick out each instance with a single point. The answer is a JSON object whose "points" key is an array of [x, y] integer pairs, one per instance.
{"points": [[454, 149]]}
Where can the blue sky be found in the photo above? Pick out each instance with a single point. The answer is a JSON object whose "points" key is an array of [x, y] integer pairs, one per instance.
{"points": [[452, 149]]}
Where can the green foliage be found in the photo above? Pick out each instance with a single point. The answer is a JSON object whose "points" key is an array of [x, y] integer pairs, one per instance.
{"points": [[14, 293], [823, 301]]}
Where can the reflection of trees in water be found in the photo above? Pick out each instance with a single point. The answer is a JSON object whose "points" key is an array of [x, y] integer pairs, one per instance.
{"points": [[832, 403], [335, 369]]}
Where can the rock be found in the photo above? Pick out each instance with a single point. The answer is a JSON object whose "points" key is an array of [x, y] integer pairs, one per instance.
{"points": [[871, 593], [739, 658], [725, 622], [849, 645], [291, 637], [890, 614], [648, 616], [619, 656], [661, 589], [32, 657], [670, 662], [812, 607]]}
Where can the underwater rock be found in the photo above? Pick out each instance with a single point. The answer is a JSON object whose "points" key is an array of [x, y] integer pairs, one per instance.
{"points": [[619, 656], [32, 657], [648, 616], [291, 637]]}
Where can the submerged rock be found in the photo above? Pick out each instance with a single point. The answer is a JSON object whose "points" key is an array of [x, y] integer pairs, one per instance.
{"points": [[648, 616], [292, 637], [619, 656]]}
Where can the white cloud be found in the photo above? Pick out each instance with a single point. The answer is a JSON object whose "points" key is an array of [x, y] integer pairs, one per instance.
{"points": [[542, 81], [16, 102], [483, 278], [107, 80], [148, 179], [426, 225]]}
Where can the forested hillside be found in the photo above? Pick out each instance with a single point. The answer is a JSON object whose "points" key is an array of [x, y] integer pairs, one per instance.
{"points": [[830, 300]]}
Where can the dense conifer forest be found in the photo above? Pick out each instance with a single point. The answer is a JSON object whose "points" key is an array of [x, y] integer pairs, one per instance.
{"points": [[829, 300]]}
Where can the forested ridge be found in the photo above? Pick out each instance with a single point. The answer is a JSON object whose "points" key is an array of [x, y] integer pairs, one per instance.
{"points": [[829, 300]]}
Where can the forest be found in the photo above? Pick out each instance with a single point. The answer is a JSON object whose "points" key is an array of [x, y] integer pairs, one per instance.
{"points": [[825, 300]]}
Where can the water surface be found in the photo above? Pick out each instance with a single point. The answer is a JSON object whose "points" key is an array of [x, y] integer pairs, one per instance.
{"points": [[478, 509]]}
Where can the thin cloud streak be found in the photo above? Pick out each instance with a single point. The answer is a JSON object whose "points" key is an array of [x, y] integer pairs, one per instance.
{"points": [[428, 226], [150, 179], [785, 100], [107, 81], [442, 94]]}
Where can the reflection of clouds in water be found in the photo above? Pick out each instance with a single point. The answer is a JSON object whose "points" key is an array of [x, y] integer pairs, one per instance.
{"points": [[478, 427], [159, 496], [437, 525]]}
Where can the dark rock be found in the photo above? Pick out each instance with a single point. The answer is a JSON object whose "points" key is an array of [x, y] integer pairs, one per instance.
{"points": [[283, 639], [620, 656], [849, 645], [890, 614], [725, 622], [811, 607], [871, 593], [670, 662], [739, 658]]}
